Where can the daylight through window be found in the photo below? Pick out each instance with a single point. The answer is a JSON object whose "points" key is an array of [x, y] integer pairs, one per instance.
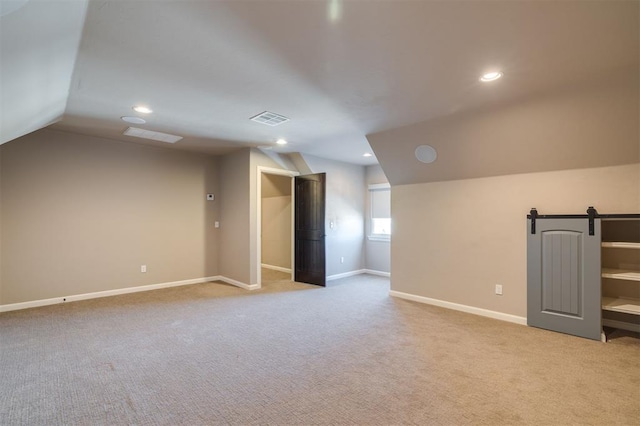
{"points": [[380, 210]]}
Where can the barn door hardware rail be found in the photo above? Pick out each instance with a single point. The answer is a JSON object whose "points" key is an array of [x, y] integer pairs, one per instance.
{"points": [[592, 215]]}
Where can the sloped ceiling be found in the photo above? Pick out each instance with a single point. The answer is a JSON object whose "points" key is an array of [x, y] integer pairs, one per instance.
{"points": [[38, 47], [340, 70], [595, 124]]}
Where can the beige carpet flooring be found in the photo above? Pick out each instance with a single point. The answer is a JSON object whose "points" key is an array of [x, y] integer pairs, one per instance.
{"points": [[293, 354]]}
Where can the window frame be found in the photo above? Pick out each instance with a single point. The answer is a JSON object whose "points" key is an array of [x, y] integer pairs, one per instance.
{"points": [[370, 234]]}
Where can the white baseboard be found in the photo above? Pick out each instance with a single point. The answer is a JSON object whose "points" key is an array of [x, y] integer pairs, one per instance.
{"points": [[379, 273], [238, 283], [115, 292], [463, 308], [358, 272], [276, 268], [345, 275]]}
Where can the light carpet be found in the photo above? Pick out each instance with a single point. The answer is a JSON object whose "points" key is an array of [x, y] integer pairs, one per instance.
{"points": [[295, 354]]}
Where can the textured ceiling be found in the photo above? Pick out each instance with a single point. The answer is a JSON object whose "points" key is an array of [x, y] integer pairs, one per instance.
{"points": [[338, 69]]}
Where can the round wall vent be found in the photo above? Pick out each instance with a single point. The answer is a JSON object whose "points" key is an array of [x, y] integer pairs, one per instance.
{"points": [[426, 154]]}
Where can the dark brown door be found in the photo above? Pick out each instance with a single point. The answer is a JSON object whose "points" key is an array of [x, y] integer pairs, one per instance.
{"points": [[309, 233]]}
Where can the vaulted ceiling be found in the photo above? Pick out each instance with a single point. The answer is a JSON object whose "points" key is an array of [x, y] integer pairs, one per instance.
{"points": [[340, 70]]}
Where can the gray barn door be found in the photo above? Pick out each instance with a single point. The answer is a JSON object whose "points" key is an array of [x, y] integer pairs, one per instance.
{"points": [[563, 277]]}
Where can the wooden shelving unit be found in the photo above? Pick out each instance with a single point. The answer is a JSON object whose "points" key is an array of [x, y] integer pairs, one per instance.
{"points": [[583, 273], [619, 304], [619, 244], [621, 274]]}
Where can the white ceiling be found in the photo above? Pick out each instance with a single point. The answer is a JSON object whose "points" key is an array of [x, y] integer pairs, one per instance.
{"points": [[38, 47], [338, 69]]}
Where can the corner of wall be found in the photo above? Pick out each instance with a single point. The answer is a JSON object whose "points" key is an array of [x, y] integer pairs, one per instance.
{"points": [[235, 215], [152, 211], [0, 224], [300, 163]]}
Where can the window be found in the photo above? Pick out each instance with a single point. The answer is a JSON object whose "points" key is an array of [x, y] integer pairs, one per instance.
{"points": [[380, 196]]}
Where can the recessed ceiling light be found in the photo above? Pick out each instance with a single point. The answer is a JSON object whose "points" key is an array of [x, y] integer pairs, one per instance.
{"points": [[367, 154], [133, 120], [491, 76], [281, 142], [142, 109]]}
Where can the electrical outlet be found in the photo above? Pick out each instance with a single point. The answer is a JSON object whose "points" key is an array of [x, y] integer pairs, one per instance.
{"points": [[143, 268], [216, 224], [499, 289], [342, 259]]}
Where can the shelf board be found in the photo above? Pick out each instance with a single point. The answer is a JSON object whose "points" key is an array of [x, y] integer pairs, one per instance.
{"points": [[627, 306], [631, 326], [621, 274], [620, 244]]}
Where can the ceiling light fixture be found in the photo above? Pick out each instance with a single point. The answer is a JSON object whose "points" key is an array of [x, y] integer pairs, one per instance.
{"points": [[367, 154], [281, 142], [491, 76], [148, 134], [133, 120], [142, 109]]}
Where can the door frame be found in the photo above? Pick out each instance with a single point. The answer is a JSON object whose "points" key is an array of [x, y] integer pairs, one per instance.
{"points": [[258, 237]]}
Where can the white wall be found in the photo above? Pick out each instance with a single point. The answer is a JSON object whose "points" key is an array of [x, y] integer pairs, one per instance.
{"points": [[234, 216], [0, 226], [81, 214], [257, 159], [459, 223], [377, 253], [345, 209], [454, 241]]}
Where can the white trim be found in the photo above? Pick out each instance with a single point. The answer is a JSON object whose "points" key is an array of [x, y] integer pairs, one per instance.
{"points": [[119, 291], [345, 274], [386, 239], [377, 186], [238, 283], [274, 171], [258, 238], [358, 272], [379, 273], [276, 268], [463, 308]]}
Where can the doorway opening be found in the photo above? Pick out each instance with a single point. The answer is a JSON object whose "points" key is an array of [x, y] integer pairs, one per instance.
{"points": [[275, 220]]}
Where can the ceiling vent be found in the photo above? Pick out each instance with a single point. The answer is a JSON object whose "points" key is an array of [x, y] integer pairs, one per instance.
{"points": [[270, 118], [148, 134]]}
